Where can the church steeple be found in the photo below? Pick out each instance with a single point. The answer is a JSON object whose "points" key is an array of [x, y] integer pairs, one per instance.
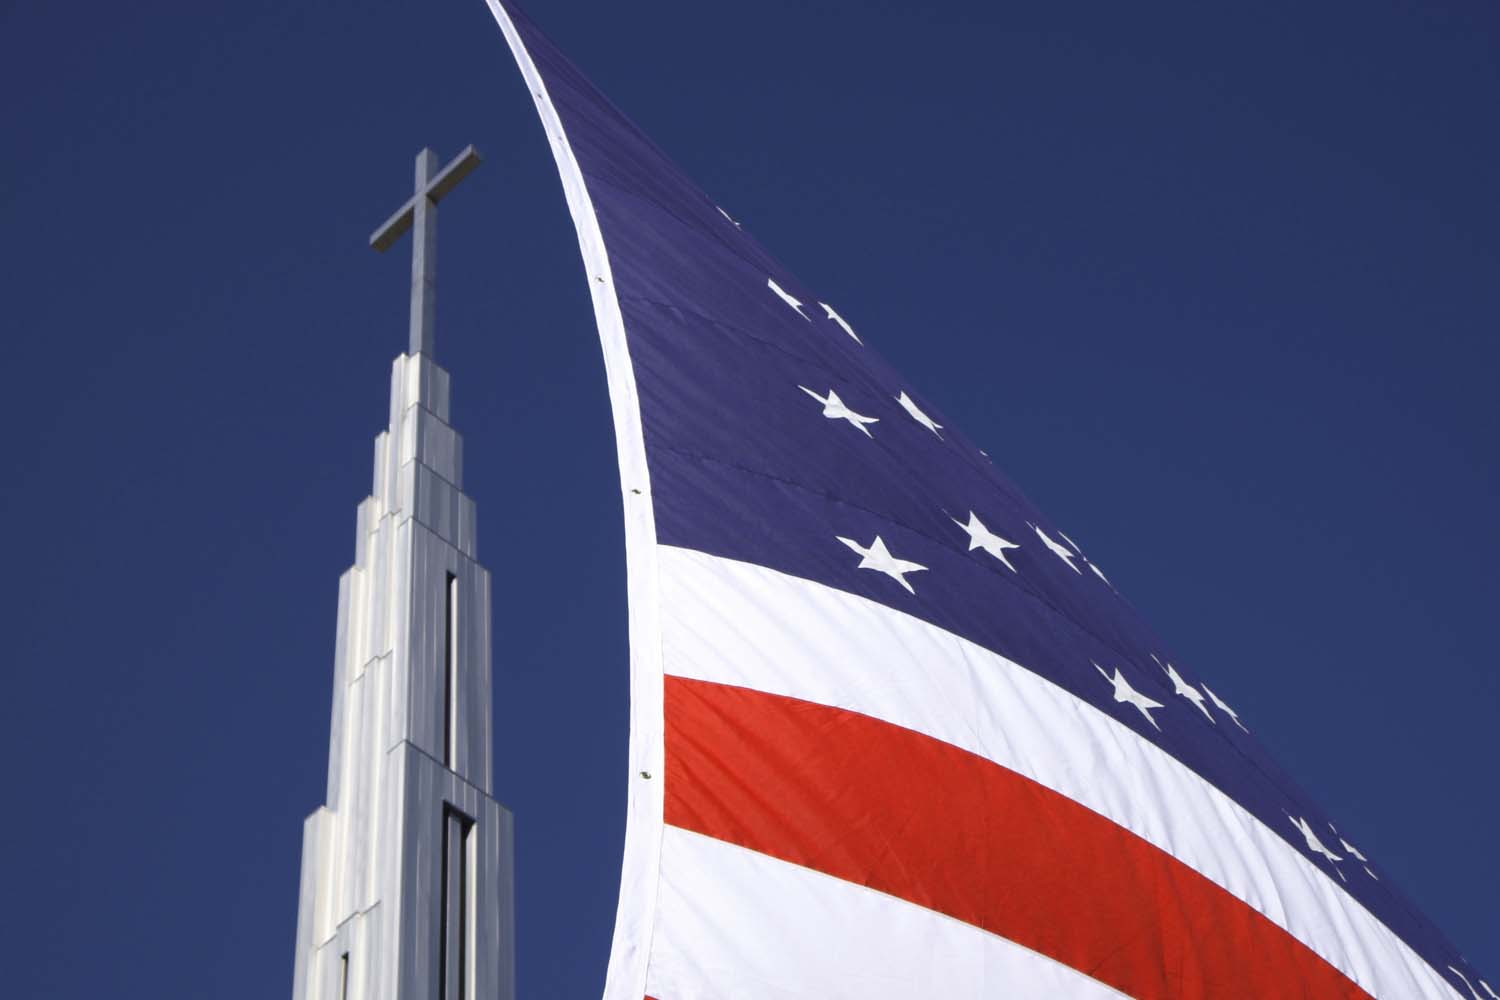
{"points": [[407, 869]]}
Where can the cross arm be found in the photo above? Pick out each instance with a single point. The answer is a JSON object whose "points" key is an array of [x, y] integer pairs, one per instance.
{"points": [[397, 225]]}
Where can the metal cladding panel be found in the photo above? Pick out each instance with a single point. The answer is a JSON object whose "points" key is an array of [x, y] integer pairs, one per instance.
{"points": [[399, 399], [341, 669], [427, 385], [365, 519], [358, 805], [472, 722], [359, 627], [439, 505], [396, 626], [313, 865], [374, 614], [380, 480], [476, 761], [425, 666], [432, 442]]}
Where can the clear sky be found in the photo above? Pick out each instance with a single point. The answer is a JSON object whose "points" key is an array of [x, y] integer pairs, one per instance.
{"points": [[1219, 287]]}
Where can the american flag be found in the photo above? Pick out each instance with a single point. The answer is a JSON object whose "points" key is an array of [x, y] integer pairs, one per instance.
{"points": [[893, 732]]}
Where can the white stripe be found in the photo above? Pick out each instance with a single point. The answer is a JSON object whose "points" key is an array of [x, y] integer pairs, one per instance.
{"points": [[821, 938], [741, 624], [643, 811]]}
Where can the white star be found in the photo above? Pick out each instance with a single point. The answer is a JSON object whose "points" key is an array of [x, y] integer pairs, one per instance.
{"points": [[981, 537], [879, 558], [917, 414], [1182, 687], [840, 321], [1470, 985], [728, 216], [1313, 843], [1352, 849], [1223, 707], [1125, 694], [1096, 570], [1058, 549], [782, 294], [834, 409]]}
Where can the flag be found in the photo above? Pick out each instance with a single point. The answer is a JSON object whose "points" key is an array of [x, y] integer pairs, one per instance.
{"points": [[894, 733]]}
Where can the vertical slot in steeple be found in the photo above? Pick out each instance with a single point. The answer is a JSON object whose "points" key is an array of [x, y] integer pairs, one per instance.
{"points": [[450, 673], [455, 920]]}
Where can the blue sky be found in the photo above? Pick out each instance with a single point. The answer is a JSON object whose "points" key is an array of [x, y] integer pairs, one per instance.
{"points": [[1218, 288]]}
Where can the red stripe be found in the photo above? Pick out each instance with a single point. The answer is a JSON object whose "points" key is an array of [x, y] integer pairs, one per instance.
{"points": [[903, 813]]}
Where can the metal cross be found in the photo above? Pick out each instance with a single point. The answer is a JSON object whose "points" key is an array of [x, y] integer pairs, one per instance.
{"points": [[421, 212]]}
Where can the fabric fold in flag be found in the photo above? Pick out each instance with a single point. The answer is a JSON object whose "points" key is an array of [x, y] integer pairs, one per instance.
{"points": [[910, 738]]}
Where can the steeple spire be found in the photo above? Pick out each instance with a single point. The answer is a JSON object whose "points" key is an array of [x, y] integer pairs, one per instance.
{"points": [[407, 870]]}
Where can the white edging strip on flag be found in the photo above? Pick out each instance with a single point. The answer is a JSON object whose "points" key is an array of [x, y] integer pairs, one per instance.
{"points": [[635, 915], [732, 622]]}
